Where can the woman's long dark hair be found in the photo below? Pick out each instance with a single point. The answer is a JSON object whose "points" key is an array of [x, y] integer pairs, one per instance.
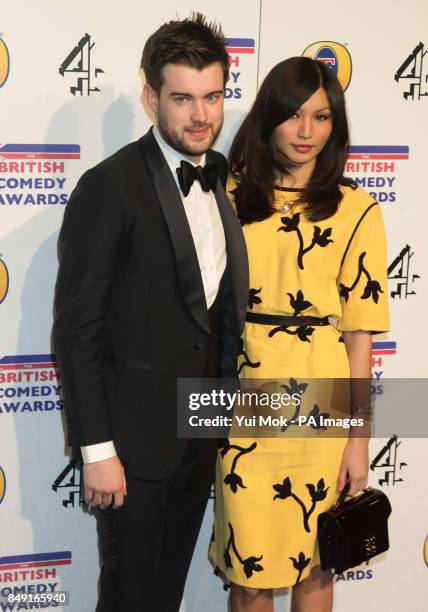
{"points": [[255, 160]]}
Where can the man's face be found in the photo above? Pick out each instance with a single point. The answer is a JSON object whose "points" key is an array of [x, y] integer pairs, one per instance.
{"points": [[189, 108]]}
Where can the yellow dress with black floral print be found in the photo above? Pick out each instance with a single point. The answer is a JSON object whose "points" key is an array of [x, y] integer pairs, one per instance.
{"points": [[269, 491]]}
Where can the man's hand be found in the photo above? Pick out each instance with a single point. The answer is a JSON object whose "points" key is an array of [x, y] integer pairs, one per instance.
{"points": [[355, 465], [104, 483]]}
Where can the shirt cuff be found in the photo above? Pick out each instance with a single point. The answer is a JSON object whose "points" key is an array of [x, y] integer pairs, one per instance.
{"points": [[98, 452]]}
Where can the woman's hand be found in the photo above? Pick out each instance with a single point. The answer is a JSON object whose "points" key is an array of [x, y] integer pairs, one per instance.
{"points": [[355, 465]]}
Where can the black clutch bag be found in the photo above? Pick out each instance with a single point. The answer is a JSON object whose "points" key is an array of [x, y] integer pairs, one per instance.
{"points": [[354, 530]]}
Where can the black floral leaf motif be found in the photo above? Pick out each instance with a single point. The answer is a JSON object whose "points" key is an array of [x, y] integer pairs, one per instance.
{"points": [[298, 303], [283, 490], [319, 493], [295, 387], [227, 558], [344, 291], [300, 563], [317, 415], [216, 571], [212, 536], [251, 565], [290, 224], [246, 362], [303, 333], [253, 298], [225, 448], [372, 289], [234, 481], [322, 238]]}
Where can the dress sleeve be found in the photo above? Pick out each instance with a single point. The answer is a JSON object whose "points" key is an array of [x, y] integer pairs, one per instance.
{"points": [[363, 278]]}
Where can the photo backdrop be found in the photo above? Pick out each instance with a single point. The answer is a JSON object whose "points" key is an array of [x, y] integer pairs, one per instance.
{"points": [[70, 95]]}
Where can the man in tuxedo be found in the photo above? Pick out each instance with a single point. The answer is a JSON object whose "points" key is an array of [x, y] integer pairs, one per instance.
{"points": [[152, 286]]}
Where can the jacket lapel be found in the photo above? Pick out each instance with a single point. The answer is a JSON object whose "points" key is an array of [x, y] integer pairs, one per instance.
{"points": [[170, 202], [236, 253]]}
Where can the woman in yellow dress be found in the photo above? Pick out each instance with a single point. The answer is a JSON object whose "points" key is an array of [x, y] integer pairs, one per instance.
{"points": [[318, 278]]}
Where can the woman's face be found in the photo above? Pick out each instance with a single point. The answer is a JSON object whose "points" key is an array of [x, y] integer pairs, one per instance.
{"points": [[302, 137]]}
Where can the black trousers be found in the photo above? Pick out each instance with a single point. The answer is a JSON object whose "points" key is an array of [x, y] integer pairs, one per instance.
{"points": [[146, 546]]}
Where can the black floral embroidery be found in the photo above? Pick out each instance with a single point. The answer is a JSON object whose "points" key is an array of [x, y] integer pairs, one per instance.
{"points": [[372, 288], [219, 573], [299, 303], [233, 479], [253, 298], [300, 564], [293, 389], [302, 332], [246, 362], [317, 416], [284, 491], [320, 238], [250, 564]]}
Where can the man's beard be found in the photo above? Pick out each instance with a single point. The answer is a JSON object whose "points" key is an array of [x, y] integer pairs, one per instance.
{"points": [[177, 143]]}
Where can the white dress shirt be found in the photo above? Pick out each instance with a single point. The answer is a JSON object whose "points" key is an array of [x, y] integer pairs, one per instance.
{"points": [[208, 237]]}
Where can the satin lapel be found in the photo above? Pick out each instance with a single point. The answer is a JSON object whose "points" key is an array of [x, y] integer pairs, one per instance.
{"points": [[236, 253], [188, 270]]}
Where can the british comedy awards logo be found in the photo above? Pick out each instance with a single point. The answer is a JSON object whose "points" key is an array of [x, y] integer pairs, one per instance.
{"points": [[413, 74], [28, 384], [380, 350], [79, 62], [31, 574], [4, 280], [35, 174], [239, 50], [375, 168], [4, 62], [2, 484], [335, 56]]}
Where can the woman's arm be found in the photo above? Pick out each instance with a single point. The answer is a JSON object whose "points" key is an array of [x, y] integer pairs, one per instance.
{"points": [[355, 459]]}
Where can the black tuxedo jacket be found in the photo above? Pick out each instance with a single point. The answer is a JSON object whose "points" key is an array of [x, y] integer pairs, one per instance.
{"points": [[130, 310]]}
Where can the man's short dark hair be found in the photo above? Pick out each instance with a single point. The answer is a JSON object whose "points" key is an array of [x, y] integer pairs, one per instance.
{"points": [[192, 42]]}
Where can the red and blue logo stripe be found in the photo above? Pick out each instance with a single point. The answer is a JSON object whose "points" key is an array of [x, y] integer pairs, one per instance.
{"points": [[384, 348], [17, 562], [240, 45], [378, 152], [40, 151], [28, 362]]}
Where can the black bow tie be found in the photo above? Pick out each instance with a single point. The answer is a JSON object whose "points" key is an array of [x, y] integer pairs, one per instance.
{"points": [[188, 174]]}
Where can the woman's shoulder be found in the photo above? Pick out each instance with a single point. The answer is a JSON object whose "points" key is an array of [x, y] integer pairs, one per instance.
{"points": [[356, 200]]}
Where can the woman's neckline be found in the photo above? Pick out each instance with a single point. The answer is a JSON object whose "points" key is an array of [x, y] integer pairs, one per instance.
{"points": [[281, 188]]}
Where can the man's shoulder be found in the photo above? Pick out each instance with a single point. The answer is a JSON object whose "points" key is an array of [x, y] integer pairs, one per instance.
{"points": [[118, 169], [120, 159]]}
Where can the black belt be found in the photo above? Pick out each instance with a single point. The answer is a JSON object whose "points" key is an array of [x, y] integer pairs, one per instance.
{"points": [[284, 320]]}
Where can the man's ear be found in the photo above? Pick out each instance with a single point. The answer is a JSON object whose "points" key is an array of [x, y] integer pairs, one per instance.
{"points": [[152, 98]]}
